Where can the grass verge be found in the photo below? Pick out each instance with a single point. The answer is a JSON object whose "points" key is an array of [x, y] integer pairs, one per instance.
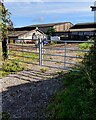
{"points": [[76, 101]]}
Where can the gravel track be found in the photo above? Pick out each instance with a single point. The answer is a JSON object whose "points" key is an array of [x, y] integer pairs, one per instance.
{"points": [[26, 95]]}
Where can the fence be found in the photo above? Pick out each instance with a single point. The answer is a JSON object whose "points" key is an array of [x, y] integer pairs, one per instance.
{"points": [[57, 54]]}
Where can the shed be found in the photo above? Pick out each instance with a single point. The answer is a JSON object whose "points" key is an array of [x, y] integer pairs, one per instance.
{"points": [[27, 35]]}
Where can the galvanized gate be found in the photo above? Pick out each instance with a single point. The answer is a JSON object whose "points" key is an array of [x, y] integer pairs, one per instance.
{"points": [[57, 54], [64, 54], [23, 51]]}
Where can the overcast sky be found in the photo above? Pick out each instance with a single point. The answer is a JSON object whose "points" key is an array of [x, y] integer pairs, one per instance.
{"points": [[28, 13]]}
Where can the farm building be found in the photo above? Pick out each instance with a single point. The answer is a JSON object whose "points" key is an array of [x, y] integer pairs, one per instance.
{"points": [[59, 27], [83, 31], [28, 35], [29, 32], [64, 30]]}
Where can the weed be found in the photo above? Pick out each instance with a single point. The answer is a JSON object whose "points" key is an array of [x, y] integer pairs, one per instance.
{"points": [[60, 72], [58, 62], [11, 67], [43, 70]]}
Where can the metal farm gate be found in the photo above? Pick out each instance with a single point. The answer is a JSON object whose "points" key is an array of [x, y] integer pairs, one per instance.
{"points": [[57, 54]]}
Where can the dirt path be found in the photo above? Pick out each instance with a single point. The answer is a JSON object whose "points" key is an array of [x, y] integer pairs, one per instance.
{"points": [[27, 93]]}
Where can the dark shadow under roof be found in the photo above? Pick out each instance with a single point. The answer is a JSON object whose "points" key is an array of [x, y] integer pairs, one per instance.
{"points": [[24, 28], [84, 25], [16, 33]]}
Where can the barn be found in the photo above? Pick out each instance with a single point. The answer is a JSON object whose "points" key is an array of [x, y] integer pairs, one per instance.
{"points": [[83, 31], [40, 30]]}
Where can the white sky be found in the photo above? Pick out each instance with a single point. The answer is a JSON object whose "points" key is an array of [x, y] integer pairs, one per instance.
{"points": [[49, 1]]}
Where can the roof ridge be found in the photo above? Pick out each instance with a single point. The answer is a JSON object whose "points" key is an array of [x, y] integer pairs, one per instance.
{"points": [[46, 24], [85, 23]]}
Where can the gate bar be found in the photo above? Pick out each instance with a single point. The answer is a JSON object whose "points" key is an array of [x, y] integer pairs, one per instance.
{"points": [[40, 52]]}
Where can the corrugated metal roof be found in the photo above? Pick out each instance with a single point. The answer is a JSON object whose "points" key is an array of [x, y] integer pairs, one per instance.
{"points": [[16, 33], [84, 25], [46, 25], [42, 27]]}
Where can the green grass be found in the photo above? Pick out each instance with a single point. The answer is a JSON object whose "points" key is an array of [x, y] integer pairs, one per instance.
{"points": [[5, 116], [32, 57], [76, 101]]}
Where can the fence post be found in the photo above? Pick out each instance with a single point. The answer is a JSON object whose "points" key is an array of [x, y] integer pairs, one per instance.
{"points": [[40, 52], [65, 55], [8, 48], [22, 50]]}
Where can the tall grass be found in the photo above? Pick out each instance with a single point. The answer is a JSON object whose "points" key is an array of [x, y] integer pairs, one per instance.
{"points": [[76, 101]]}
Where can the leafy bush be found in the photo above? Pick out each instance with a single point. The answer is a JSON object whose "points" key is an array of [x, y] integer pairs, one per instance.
{"points": [[12, 66], [90, 63], [86, 45]]}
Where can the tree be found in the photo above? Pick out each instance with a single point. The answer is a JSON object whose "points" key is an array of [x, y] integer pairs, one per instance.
{"points": [[5, 25], [50, 31]]}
